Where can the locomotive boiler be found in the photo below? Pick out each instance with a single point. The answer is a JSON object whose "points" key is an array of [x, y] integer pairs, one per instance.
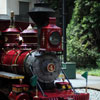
{"points": [[32, 54], [46, 66]]}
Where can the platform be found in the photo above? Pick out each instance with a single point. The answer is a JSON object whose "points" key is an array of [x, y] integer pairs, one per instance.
{"points": [[93, 82], [10, 75]]}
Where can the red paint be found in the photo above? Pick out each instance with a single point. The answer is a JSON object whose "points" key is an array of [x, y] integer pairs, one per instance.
{"points": [[61, 95], [20, 85], [45, 34], [10, 35], [29, 38], [10, 56], [26, 31], [14, 57], [12, 30], [53, 95], [21, 96]]}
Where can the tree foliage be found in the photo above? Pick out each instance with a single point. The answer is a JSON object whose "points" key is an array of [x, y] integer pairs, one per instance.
{"points": [[83, 33], [57, 6], [53, 3]]}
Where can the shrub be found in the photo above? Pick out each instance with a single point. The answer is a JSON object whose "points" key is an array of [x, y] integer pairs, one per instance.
{"points": [[83, 34]]}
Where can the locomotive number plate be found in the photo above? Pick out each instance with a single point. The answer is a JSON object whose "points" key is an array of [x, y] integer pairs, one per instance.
{"points": [[51, 67]]}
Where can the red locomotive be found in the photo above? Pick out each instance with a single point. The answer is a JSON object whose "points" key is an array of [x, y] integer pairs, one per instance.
{"points": [[31, 54]]}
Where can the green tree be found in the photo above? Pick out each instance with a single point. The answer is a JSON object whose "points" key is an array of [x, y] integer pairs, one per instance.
{"points": [[57, 6], [83, 33]]}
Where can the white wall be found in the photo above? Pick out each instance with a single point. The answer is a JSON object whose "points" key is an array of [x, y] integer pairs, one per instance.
{"points": [[3, 6], [31, 4], [26, 0], [6, 6], [12, 5]]}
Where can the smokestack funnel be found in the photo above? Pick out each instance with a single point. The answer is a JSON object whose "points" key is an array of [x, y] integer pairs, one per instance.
{"points": [[40, 14]]}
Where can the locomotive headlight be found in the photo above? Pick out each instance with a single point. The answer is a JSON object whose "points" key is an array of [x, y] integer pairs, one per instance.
{"points": [[55, 38]]}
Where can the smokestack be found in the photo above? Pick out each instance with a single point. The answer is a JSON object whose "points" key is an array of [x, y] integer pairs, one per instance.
{"points": [[40, 15]]}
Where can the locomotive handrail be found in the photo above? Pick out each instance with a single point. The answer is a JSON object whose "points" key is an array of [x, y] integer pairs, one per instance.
{"points": [[68, 80]]}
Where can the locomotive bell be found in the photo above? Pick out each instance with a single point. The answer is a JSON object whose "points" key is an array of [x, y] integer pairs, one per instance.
{"points": [[40, 14]]}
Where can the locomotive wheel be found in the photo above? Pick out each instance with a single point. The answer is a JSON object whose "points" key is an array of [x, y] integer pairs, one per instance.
{"points": [[22, 96]]}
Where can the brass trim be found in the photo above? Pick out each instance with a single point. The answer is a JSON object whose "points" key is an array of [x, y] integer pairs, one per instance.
{"points": [[27, 55], [17, 57], [51, 67]]}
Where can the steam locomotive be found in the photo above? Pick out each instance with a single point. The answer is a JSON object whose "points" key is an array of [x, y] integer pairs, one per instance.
{"points": [[32, 54]]}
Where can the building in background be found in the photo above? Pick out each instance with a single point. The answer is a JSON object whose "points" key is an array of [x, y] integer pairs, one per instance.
{"points": [[20, 8]]}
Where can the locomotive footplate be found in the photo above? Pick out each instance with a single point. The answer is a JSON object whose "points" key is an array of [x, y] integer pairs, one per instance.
{"points": [[10, 75]]}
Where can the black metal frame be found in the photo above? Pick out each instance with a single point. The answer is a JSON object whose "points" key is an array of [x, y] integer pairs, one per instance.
{"points": [[64, 30]]}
